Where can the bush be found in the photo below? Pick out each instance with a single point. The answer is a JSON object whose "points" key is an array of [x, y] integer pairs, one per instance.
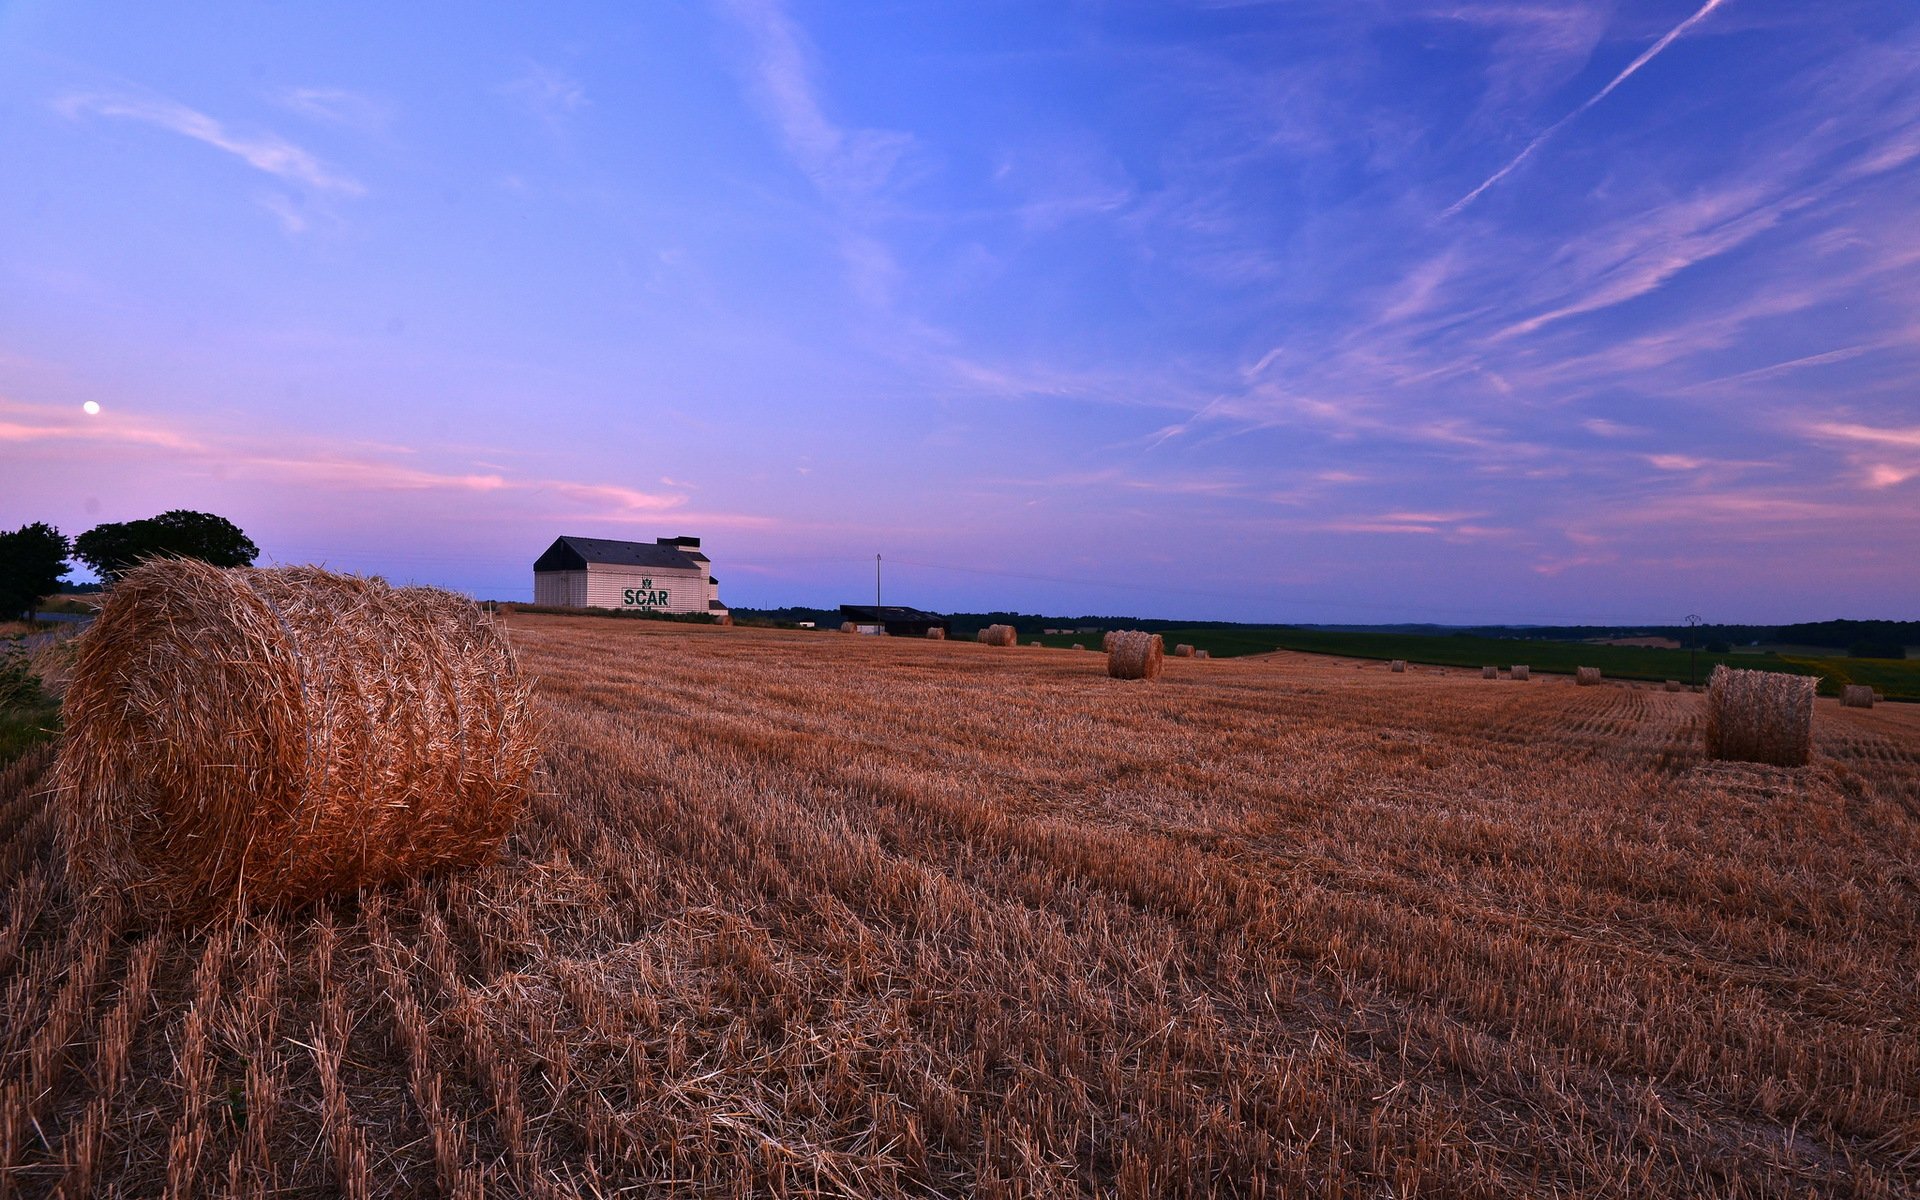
{"points": [[28, 715], [19, 685]]}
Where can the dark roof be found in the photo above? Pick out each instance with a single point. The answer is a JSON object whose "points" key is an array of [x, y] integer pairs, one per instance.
{"points": [[890, 612], [574, 553]]}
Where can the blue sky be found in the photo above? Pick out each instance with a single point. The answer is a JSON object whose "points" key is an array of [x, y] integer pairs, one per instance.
{"points": [[1326, 310]]}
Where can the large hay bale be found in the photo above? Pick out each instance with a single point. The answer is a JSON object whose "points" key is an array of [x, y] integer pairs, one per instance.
{"points": [[936, 634], [1519, 672], [1856, 695], [1183, 650], [1135, 655], [1397, 665], [1000, 635], [849, 627], [1760, 716], [1489, 672], [258, 736], [1674, 685], [1586, 676]]}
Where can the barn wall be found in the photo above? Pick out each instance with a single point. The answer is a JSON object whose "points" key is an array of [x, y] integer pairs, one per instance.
{"points": [[686, 591], [560, 589]]}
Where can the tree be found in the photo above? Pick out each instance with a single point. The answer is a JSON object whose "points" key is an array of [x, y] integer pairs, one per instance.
{"points": [[33, 561], [117, 547]]}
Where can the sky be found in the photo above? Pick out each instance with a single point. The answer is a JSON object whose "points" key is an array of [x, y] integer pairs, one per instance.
{"points": [[1317, 310]]}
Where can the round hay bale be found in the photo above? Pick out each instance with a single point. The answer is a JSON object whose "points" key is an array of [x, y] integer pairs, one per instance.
{"points": [[1856, 695], [1106, 640], [1183, 650], [262, 736], [849, 627], [1518, 672], [1000, 635], [936, 634], [1135, 655], [1489, 672], [1078, 646], [1202, 654], [725, 621], [1586, 676], [1760, 716], [1674, 685], [1397, 665], [1036, 642]]}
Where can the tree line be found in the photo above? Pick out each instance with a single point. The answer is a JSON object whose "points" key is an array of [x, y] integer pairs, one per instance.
{"points": [[34, 559]]}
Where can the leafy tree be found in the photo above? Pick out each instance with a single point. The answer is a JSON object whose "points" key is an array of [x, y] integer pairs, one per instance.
{"points": [[33, 561], [117, 547]]}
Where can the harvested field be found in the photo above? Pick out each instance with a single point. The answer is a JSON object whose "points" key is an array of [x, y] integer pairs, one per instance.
{"points": [[920, 918]]}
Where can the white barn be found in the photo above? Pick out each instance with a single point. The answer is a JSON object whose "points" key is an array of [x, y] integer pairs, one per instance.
{"points": [[669, 575]]}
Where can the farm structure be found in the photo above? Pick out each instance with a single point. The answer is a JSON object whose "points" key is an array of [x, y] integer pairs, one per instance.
{"points": [[668, 575], [895, 620]]}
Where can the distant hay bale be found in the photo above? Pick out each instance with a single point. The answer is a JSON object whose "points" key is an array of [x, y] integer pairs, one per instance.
{"points": [[725, 620], [1856, 695], [1397, 665], [1106, 640], [981, 637], [849, 627], [1489, 672], [260, 736], [1674, 685], [1079, 646], [1760, 716], [1183, 650], [1036, 642], [1519, 672], [1135, 655], [1000, 635], [1586, 676], [936, 634], [1202, 654]]}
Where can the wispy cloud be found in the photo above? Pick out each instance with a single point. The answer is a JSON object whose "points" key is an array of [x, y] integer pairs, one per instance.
{"points": [[851, 168], [1907, 438], [846, 164], [321, 464], [266, 152], [548, 93], [337, 106], [1631, 69]]}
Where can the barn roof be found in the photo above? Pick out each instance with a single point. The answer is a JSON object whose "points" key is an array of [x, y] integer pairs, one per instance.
{"points": [[574, 553]]}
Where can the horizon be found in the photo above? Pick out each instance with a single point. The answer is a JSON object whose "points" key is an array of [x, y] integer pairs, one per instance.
{"points": [[1470, 314]]}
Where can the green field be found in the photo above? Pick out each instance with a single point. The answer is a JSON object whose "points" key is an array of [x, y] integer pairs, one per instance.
{"points": [[1893, 678]]}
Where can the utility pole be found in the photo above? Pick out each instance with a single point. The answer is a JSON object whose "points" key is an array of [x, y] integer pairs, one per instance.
{"points": [[1693, 649], [878, 617]]}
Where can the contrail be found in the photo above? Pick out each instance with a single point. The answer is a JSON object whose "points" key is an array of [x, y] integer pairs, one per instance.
{"points": [[1592, 100]]}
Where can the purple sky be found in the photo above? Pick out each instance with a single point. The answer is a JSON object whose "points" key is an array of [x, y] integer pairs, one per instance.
{"points": [[1329, 310]]}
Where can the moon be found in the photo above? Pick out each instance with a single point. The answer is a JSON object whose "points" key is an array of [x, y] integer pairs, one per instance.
{"points": [[91, 408]]}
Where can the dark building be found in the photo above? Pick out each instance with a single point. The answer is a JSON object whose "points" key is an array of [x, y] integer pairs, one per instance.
{"points": [[897, 620]]}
